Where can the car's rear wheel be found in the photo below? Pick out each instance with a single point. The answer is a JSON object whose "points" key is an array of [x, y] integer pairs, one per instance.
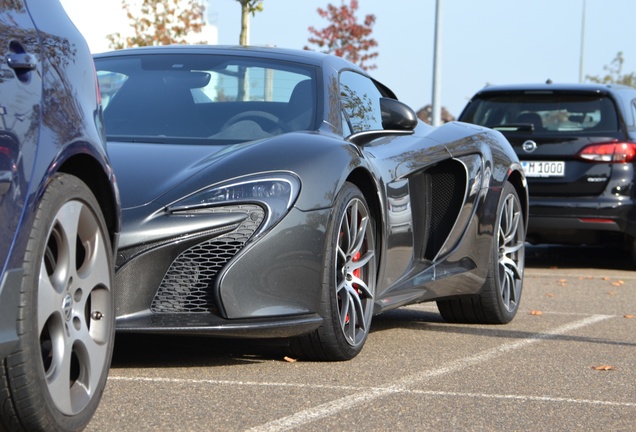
{"points": [[349, 282], [498, 301], [631, 248], [56, 377]]}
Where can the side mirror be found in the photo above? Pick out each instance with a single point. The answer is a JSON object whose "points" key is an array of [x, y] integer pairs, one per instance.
{"points": [[397, 119], [397, 115]]}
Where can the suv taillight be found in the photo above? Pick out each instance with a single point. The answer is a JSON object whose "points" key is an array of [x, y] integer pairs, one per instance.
{"points": [[614, 152]]}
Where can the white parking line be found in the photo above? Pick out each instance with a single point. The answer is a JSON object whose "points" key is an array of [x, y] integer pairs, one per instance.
{"points": [[524, 398], [328, 409], [373, 389], [364, 395]]}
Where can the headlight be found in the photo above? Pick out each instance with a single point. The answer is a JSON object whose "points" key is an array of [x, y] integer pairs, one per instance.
{"points": [[277, 192]]}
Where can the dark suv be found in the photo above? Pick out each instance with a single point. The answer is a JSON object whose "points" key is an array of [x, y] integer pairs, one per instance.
{"points": [[577, 143], [59, 223]]}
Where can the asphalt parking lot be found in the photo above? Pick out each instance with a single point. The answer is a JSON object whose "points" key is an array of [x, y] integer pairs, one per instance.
{"points": [[567, 362]]}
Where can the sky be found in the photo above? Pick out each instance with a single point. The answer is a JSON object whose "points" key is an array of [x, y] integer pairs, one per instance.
{"points": [[482, 42]]}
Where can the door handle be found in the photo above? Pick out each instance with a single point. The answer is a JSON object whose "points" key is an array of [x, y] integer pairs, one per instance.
{"points": [[21, 61]]}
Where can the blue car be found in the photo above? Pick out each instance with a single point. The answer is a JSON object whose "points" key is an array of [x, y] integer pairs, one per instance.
{"points": [[59, 223]]}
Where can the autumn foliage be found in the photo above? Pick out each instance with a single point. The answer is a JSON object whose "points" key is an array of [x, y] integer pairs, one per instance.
{"points": [[344, 37], [615, 73], [160, 22]]}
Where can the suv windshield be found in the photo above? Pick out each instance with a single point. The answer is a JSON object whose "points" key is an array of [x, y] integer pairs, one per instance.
{"points": [[544, 113], [157, 98]]}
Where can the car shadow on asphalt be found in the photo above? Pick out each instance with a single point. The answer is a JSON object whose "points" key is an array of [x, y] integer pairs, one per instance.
{"points": [[155, 350], [412, 319], [566, 256]]}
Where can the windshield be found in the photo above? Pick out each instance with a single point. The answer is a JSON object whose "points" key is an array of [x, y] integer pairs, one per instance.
{"points": [[544, 113], [182, 98]]}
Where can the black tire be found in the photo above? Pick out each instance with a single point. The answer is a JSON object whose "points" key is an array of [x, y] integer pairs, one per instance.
{"points": [[349, 283], [54, 380], [498, 300], [631, 248]]}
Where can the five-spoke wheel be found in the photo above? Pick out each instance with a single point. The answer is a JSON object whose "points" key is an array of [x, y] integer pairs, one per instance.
{"points": [[56, 377]]}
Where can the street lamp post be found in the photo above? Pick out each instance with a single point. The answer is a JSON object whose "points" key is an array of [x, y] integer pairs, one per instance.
{"points": [[582, 42], [436, 115]]}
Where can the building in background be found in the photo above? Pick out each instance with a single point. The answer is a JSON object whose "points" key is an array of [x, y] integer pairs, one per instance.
{"points": [[113, 20]]}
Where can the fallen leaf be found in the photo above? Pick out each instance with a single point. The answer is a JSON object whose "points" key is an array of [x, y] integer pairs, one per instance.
{"points": [[563, 281], [611, 292], [289, 359], [629, 316], [549, 295], [605, 278], [604, 368], [536, 312]]}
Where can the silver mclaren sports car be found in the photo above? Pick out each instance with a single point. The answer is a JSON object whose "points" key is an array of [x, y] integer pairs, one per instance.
{"points": [[273, 193]]}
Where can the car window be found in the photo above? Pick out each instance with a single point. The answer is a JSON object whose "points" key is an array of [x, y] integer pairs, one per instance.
{"points": [[360, 100], [547, 113], [248, 83], [205, 96]]}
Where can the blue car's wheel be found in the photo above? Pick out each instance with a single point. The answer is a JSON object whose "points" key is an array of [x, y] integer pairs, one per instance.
{"points": [[55, 379]]}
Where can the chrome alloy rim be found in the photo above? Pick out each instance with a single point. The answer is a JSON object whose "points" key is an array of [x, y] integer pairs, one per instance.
{"points": [[74, 297], [511, 253], [355, 273]]}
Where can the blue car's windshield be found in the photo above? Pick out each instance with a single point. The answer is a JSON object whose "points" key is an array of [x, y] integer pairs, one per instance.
{"points": [[152, 97]]}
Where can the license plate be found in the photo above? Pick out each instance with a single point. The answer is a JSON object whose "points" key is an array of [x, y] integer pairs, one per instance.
{"points": [[544, 168]]}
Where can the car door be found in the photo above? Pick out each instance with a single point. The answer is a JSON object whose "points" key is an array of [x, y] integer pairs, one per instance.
{"points": [[20, 94], [399, 161]]}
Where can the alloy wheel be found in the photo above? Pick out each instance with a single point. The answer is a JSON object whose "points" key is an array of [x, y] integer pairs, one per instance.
{"points": [[355, 273], [74, 297], [511, 252]]}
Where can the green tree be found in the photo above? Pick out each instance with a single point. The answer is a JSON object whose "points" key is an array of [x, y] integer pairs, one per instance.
{"points": [[614, 73], [248, 7], [160, 22]]}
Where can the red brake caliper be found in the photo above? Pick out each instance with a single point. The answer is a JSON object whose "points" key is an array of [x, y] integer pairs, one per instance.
{"points": [[356, 273]]}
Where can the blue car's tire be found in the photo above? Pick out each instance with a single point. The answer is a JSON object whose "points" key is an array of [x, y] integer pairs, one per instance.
{"points": [[55, 378]]}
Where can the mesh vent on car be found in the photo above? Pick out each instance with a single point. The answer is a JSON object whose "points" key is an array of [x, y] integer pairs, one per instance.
{"points": [[448, 189], [187, 285]]}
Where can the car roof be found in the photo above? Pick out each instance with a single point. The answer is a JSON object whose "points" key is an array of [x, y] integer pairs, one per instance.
{"points": [[287, 54], [556, 87]]}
